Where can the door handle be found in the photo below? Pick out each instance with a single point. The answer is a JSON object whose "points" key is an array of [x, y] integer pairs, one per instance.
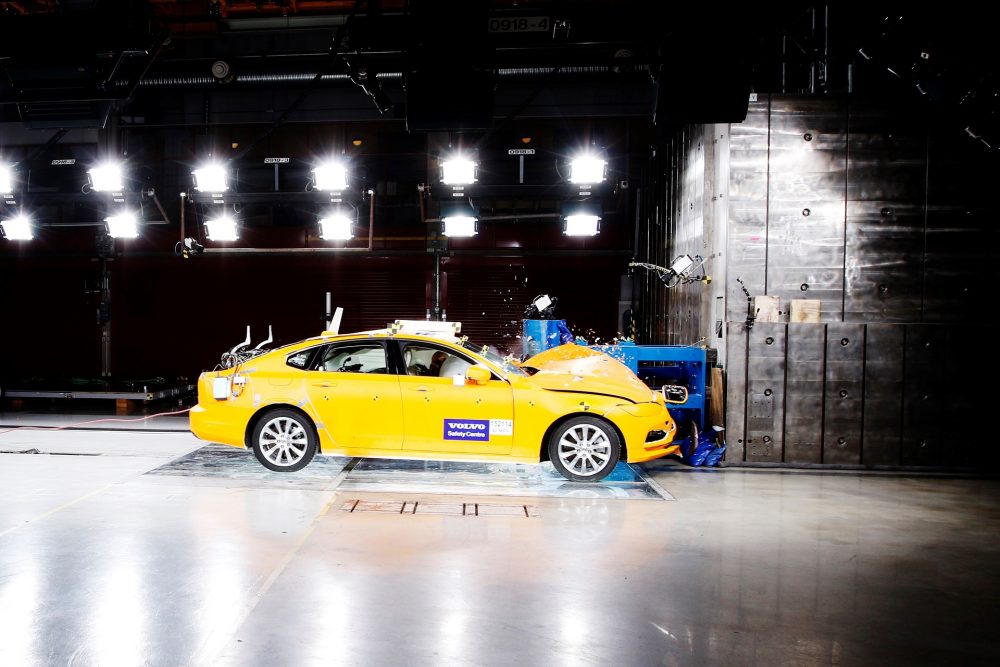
{"points": [[422, 388], [324, 384]]}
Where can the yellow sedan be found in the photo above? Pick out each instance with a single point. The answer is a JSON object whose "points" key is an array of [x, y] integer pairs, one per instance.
{"points": [[391, 394]]}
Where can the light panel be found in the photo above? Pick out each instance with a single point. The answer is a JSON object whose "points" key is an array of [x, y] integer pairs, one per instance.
{"points": [[458, 171], [336, 227], [107, 177], [122, 226], [586, 169], [459, 226], [6, 179], [18, 228], [581, 225], [222, 228], [211, 178], [330, 177]]}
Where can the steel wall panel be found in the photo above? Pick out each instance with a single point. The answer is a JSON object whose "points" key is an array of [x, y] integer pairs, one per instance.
{"points": [[964, 400], [883, 403], [806, 255], [804, 393], [961, 264], [747, 252], [806, 186], [736, 390], [844, 393], [884, 270], [766, 392], [924, 393]]}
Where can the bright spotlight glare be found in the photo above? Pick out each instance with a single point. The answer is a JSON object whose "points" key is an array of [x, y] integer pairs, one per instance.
{"points": [[331, 177], [581, 225], [586, 169], [6, 180], [221, 229], [122, 226], [211, 178], [457, 226], [17, 229], [107, 178], [458, 171], [335, 227]]}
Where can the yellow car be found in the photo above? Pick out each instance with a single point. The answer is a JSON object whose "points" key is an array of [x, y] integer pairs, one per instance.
{"points": [[424, 393]]}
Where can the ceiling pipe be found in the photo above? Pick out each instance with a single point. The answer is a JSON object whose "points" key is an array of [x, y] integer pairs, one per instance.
{"points": [[305, 77]]}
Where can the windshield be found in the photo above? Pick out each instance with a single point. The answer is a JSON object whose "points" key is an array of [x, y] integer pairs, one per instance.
{"points": [[508, 363]]}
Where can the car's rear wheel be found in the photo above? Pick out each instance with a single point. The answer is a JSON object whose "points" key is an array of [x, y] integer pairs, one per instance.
{"points": [[584, 449], [284, 440]]}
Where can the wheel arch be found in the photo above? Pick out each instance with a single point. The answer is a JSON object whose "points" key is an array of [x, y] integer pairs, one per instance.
{"points": [[263, 411], [543, 452]]}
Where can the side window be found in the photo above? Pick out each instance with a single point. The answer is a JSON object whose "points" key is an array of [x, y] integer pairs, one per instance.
{"points": [[352, 358], [300, 359], [433, 361]]}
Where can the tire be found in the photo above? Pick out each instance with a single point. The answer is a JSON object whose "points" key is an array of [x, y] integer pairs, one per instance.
{"points": [[584, 449], [284, 441]]}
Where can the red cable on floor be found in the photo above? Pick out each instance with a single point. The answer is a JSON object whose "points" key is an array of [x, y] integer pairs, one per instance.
{"points": [[94, 421]]}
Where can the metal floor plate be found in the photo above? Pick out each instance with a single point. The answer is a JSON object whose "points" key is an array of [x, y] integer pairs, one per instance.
{"points": [[408, 476], [230, 463], [495, 479]]}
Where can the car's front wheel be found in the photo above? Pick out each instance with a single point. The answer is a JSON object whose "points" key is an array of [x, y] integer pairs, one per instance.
{"points": [[284, 440], [584, 449]]}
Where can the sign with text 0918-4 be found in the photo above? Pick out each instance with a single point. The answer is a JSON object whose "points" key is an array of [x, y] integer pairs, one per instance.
{"points": [[519, 24]]}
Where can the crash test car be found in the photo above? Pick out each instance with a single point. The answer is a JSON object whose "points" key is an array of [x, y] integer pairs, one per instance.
{"points": [[417, 390]]}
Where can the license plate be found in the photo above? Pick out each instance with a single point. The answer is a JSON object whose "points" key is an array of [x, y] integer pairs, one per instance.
{"points": [[520, 24]]}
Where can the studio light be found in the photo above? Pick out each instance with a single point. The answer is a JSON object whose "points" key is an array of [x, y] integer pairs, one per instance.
{"points": [[581, 224], [336, 227], [460, 226], [6, 180], [211, 178], [458, 170], [586, 169], [330, 176], [107, 177], [18, 228], [222, 228], [122, 226]]}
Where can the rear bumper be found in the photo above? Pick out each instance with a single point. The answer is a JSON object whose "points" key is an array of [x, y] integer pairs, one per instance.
{"points": [[207, 425]]}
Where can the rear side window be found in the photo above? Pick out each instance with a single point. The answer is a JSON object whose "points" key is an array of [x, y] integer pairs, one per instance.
{"points": [[300, 359]]}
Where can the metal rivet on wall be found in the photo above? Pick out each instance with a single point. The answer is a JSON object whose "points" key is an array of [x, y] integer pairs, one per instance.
{"points": [[882, 289], [769, 341], [804, 287], [768, 392], [767, 438], [806, 212], [886, 212], [843, 393], [808, 136], [841, 441], [844, 342]]}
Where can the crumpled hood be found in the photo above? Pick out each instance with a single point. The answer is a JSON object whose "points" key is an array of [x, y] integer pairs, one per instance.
{"points": [[574, 367]]}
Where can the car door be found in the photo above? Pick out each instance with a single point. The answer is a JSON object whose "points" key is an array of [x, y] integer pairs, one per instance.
{"points": [[444, 413], [357, 396]]}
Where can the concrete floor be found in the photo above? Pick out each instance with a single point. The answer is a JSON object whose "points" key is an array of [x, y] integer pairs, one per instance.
{"points": [[101, 564]]}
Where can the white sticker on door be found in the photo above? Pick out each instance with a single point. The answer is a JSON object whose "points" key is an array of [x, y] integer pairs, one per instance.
{"points": [[502, 426]]}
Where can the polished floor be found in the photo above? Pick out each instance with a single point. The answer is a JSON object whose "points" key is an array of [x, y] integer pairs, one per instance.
{"points": [[109, 557]]}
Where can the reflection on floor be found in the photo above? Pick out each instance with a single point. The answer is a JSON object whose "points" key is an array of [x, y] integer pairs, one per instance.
{"points": [[403, 476], [495, 479], [102, 564]]}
